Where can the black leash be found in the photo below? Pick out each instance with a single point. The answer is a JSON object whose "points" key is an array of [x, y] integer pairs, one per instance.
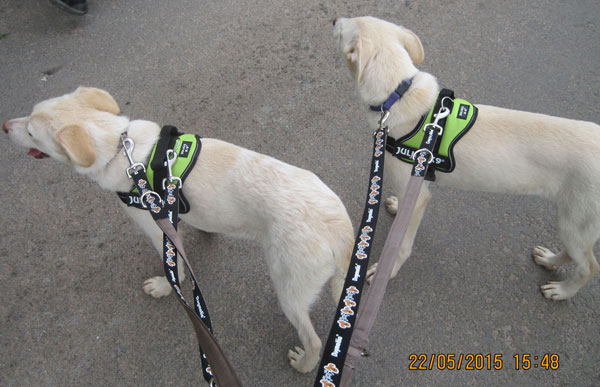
{"points": [[165, 213], [338, 342]]}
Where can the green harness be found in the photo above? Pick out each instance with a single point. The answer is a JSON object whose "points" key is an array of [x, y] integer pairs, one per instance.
{"points": [[462, 117], [187, 148]]}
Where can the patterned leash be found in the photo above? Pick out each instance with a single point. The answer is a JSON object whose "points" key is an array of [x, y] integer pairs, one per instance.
{"points": [[165, 214], [338, 342]]}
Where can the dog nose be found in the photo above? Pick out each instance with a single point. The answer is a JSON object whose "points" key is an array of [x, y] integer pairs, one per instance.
{"points": [[5, 127], [335, 20]]}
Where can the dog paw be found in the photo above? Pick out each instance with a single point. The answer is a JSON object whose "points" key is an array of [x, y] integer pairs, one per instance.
{"points": [[298, 360], [371, 273], [544, 257], [555, 291], [391, 204], [157, 287]]}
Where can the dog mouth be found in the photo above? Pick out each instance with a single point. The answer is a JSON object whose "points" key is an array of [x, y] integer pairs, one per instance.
{"points": [[38, 154]]}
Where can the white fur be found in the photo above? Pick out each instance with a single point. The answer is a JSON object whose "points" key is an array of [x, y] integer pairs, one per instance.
{"points": [[301, 224], [514, 151]]}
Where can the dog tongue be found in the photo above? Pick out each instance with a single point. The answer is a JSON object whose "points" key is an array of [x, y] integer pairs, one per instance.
{"points": [[38, 154]]}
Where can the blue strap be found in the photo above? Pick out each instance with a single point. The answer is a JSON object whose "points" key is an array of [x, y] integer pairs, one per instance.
{"points": [[394, 97]]}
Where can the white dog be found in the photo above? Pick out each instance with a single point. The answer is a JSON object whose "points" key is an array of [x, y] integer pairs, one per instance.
{"points": [[302, 225], [505, 151]]}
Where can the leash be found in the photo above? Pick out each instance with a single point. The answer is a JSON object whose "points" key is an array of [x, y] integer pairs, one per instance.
{"points": [[216, 369], [338, 342], [366, 318]]}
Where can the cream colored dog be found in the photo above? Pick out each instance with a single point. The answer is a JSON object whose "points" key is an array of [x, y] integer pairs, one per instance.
{"points": [[301, 224], [505, 151]]}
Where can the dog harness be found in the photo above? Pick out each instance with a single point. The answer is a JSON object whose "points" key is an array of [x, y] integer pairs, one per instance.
{"points": [[462, 117], [187, 148]]}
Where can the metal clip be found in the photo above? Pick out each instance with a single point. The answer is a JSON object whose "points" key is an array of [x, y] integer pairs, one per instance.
{"points": [[384, 117], [128, 146], [169, 164], [441, 114]]}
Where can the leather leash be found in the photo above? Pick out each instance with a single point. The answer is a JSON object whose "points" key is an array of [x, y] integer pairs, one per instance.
{"points": [[216, 367], [366, 317]]}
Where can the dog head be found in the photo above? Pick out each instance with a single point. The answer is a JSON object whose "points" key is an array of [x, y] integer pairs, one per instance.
{"points": [[379, 54], [66, 128]]}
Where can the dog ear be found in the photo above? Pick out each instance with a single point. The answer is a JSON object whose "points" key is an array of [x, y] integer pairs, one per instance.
{"points": [[98, 99], [77, 144], [412, 44], [354, 58]]}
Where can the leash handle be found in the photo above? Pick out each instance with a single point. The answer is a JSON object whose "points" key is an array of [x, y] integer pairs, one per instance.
{"points": [[338, 342]]}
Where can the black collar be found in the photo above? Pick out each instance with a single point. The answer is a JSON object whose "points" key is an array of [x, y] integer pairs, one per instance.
{"points": [[394, 97]]}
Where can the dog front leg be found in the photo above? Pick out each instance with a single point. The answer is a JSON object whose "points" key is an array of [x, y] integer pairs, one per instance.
{"points": [[411, 232], [157, 286]]}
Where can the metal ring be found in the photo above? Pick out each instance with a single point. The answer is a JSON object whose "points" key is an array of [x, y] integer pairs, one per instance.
{"points": [[431, 156], [149, 193]]}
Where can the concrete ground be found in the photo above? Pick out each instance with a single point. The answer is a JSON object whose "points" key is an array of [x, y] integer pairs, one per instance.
{"points": [[264, 75]]}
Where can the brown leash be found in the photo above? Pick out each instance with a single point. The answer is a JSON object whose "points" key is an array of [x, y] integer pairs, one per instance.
{"points": [[222, 369]]}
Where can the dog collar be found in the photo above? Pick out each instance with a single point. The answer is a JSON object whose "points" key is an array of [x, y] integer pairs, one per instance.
{"points": [[394, 97]]}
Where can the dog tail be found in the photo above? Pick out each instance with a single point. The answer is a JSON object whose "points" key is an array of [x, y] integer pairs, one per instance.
{"points": [[342, 252]]}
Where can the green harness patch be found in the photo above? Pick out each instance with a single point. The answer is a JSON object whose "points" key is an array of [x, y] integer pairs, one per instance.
{"points": [[461, 119], [185, 149]]}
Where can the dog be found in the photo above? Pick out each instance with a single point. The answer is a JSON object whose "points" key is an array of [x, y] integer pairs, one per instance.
{"points": [[300, 223], [513, 151]]}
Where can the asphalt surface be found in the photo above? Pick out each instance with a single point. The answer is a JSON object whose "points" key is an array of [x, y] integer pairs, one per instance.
{"points": [[264, 75]]}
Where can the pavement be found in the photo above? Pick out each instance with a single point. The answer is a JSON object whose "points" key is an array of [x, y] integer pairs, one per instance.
{"points": [[264, 75]]}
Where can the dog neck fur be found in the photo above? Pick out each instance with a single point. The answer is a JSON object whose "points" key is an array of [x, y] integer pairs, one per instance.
{"points": [[109, 170]]}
